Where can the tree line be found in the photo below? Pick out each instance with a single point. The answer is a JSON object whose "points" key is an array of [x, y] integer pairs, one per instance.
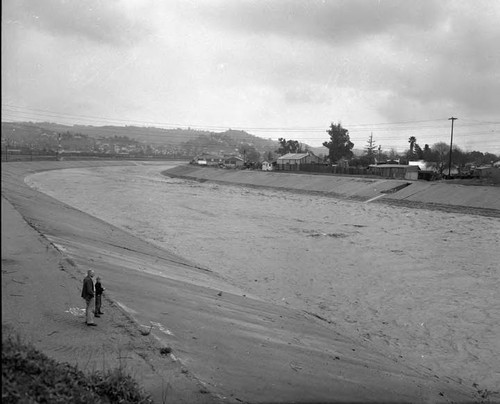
{"points": [[340, 148]]}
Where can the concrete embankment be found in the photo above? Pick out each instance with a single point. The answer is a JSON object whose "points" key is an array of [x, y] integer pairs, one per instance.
{"points": [[227, 346], [481, 199], [46, 248]]}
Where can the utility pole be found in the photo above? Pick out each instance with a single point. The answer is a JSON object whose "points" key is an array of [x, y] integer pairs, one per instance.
{"points": [[58, 156], [370, 149], [451, 143]]}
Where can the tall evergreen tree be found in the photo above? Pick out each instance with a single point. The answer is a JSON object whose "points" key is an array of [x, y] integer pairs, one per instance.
{"points": [[340, 145], [418, 152], [370, 149], [427, 153], [412, 140]]}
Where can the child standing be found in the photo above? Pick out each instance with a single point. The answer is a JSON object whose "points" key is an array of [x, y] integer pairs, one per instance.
{"points": [[98, 296]]}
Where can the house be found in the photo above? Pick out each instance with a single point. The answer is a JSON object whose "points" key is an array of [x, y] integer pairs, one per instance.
{"points": [[234, 162], [424, 165], [399, 171], [488, 173], [453, 172], [412, 173], [427, 170], [208, 160], [267, 166], [389, 161], [200, 161], [292, 161]]}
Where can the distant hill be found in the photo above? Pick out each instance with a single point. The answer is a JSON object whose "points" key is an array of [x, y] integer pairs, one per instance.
{"points": [[149, 135], [141, 134], [195, 141]]}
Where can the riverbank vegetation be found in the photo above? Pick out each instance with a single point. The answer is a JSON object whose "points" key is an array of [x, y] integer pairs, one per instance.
{"points": [[29, 376]]}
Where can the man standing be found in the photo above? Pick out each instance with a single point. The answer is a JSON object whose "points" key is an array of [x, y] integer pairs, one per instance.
{"points": [[88, 295]]}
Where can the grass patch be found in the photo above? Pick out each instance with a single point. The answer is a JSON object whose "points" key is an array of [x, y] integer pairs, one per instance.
{"points": [[29, 376]]}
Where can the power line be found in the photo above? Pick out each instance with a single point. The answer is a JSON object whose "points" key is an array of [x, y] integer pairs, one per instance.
{"points": [[304, 131], [386, 133], [384, 126]]}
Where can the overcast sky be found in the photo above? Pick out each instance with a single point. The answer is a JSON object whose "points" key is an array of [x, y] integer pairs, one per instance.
{"points": [[274, 68]]}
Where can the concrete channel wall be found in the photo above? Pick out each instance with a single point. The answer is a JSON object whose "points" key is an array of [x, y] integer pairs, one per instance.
{"points": [[358, 188]]}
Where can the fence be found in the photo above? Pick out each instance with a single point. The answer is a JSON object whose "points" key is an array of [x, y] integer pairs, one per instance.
{"points": [[324, 169], [10, 157]]}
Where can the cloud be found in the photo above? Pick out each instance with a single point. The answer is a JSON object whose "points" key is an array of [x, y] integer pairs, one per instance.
{"points": [[454, 67], [251, 63], [424, 53], [335, 22], [307, 95], [103, 22]]}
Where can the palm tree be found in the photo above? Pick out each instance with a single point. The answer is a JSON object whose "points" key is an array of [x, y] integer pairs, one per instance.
{"points": [[412, 142]]}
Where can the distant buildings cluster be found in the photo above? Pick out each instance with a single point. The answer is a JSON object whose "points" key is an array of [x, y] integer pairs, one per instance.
{"points": [[66, 143], [309, 162]]}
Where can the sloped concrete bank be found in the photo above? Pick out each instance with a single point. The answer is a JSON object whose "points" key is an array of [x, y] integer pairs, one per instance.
{"points": [[483, 200], [46, 248]]}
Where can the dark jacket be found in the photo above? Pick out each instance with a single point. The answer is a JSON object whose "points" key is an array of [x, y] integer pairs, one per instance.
{"points": [[88, 288], [98, 288]]}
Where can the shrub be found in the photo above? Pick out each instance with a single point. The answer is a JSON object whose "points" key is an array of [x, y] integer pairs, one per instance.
{"points": [[29, 376]]}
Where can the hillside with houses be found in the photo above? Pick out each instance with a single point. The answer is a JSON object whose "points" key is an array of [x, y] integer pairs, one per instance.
{"points": [[44, 137]]}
